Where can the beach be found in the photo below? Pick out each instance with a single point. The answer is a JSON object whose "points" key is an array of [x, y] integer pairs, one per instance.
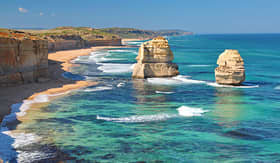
{"points": [[59, 63]]}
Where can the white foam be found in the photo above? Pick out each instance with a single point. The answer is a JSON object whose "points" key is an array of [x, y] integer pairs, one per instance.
{"points": [[12, 144], [137, 118], [189, 81], [132, 43], [180, 79], [184, 111], [199, 65], [122, 50], [190, 111], [278, 87], [161, 92], [11, 141], [101, 88], [115, 68], [232, 86], [120, 85]]}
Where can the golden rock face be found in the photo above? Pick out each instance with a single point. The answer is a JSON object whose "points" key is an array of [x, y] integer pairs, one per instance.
{"points": [[231, 69], [22, 61], [155, 60]]}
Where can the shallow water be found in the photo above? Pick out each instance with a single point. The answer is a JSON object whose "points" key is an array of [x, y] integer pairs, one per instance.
{"points": [[187, 118]]}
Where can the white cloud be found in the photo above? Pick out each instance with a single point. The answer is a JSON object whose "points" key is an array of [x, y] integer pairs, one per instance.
{"points": [[22, 10], [41, 14]]}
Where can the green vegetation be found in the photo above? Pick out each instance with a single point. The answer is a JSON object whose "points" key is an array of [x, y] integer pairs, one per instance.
{"points": [[84, 32], [89, 34], [138, 33]]}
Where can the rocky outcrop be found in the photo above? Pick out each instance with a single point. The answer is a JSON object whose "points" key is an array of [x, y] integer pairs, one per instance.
{"points": [[231, 69], [155, 60], [22, 60]]}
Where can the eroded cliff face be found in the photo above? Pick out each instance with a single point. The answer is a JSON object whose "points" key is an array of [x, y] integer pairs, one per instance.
{"points": [[231, 69], [68, 42], [22, 60], [155, 60]]}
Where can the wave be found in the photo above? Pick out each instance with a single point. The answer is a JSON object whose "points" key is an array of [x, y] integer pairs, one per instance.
{"points": [[162, 92], [137, 119], [180, 79], [11, 143], [277, 87], [101, 88], [121, 50], [133, 43], [184, 111], [190, 111], [115, 68], [232, 86], [120, 84], [199, 65]]}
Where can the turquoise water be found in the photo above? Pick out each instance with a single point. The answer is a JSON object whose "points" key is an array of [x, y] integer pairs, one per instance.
{"points": [[182, 119]]}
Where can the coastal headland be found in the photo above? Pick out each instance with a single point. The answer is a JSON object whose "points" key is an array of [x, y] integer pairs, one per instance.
{"points": [[33, 61]]}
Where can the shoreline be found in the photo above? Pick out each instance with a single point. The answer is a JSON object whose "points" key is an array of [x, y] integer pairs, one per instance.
{"points": [[59, 63], [22, 101]]}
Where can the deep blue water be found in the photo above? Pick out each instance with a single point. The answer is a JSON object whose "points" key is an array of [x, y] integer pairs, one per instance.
{"points": [[182, 119]]}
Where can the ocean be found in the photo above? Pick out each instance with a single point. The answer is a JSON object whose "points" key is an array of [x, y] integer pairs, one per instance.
{"points": [[187, 118]]}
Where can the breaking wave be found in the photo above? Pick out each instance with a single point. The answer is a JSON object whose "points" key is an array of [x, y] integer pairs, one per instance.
{"points": [[184, 111], [137, 119], [101, 88], [115, 68], [190, 111], [232, 86], [162, 92], [11, 143], [199, 65], [180, 79], [277, 87]]}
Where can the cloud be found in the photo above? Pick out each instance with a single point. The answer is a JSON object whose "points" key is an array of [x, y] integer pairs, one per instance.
{"points": [[41, 14], [22, 10]]}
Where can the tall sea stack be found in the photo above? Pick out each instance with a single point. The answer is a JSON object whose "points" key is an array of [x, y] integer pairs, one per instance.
{"points": [[231, 69], [155, 60]]}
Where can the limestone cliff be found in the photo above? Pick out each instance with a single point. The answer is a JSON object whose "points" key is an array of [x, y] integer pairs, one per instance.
{"points": [[67, 38], [231, 69], [67, 42], [23, 58], [155, 60]]}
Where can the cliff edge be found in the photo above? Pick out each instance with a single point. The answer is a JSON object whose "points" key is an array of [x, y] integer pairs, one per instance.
{"points": [[23, 57]]}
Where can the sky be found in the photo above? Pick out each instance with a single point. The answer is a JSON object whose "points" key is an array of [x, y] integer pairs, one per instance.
{"points": [[199, 16]]}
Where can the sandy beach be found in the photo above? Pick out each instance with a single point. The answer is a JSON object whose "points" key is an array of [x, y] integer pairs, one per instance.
{"points": [[59, 62]]}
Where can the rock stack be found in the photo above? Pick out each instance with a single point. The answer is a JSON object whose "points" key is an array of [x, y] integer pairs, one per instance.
{"points": [[155, 60], [231, 68]]}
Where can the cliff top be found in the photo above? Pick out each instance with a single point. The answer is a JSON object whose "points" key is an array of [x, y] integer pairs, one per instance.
{"points": [[157, 42], [230, 57], [86, 33], [145, 34], [20, 35]]}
